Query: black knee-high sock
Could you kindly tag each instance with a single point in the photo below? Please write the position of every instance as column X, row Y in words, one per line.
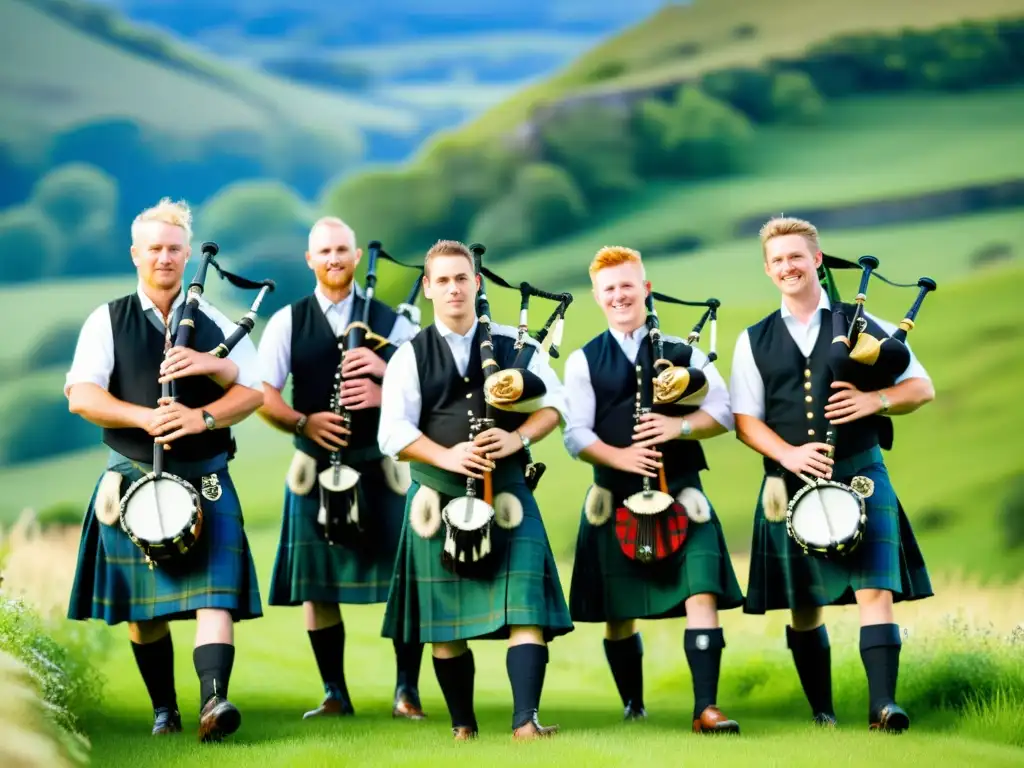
column 408, row 659
column 329, row 649
column 626, row 660
column 456, row 678
column 812, row 655
column 880, row 651
column 213, row 664
column 526, row 665
column 704, row 653
column 156, row 664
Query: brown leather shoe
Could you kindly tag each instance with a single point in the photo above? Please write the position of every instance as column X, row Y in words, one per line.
column 218, row 718
column 331, row 707
column 712, row 720
column 533, row 730
column 891, row 718
column 407, row 704
column 464, row 733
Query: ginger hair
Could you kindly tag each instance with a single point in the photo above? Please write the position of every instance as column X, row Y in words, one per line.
column 788, row 225
column 177, row 214
column 449, row 248
column 613, row 256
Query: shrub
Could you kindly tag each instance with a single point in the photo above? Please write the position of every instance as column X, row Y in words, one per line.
column 1013, row 514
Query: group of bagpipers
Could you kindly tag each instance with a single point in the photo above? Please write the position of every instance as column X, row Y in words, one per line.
column 431, row 508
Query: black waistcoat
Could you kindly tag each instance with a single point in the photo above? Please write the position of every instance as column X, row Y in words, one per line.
column 138, row 352
column 447, row 397
column 613, row 378
column 316, row 354
column 797, row 389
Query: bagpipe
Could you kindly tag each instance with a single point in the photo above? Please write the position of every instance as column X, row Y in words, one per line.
column 828, row 518
column 339, row 511
column 513, row 389
column 161, row 512
column 651, row 524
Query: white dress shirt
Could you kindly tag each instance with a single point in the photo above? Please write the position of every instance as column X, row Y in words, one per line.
column 94, row 353
column 275, row 352
column 746, row 384
column 400, row 393
column 579, row 432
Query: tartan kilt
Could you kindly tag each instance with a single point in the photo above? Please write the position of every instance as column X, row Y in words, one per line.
column 308, row 568
column 113, row 581
column 608, row 586
column 427, row 604
column 888, row 557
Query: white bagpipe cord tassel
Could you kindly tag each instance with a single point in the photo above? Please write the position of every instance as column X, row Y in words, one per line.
column 559, row 329
column 714, row 336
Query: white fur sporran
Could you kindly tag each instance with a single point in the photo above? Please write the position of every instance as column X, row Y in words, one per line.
column 425, row 512
column 108, row 498
column 696, row 504
column 162, row 516
column 397, row 475
column 827, row 518
column 598, row 505
column 467, row 520
column 301, row 473
column 774, row 499
column 337, row 489
column 508, row 510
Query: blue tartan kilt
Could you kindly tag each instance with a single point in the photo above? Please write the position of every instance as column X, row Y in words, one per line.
column 113, row 581
column 309, row 568
column 887, row 558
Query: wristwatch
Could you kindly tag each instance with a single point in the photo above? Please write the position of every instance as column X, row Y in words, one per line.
column 686, row 429
column 301, row 424
column 524, row 438
column 211, row 423
column 885, row 402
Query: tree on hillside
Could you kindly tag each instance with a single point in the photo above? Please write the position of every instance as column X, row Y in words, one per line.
column 29, row 245
column 81, row 200
column 795, row 99
column 692, row 136
column 247, row 212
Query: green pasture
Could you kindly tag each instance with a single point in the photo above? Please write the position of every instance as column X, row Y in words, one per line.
column 51, row 88
column 682, row 41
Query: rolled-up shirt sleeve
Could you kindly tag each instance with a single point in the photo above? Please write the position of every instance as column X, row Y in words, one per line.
column 746, row 387
column 275, row 351
column 579, row 424
column 716, row 403
column 400, row 402
column 556, row 394
column 93, row 361
column 402, row 331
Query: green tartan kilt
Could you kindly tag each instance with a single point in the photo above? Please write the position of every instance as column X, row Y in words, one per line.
column 308, row 568
column 608, row 586
column 888, row 557
column 427, row 604
column 113, row 581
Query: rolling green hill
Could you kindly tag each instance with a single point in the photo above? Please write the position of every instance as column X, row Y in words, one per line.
column 66, row 76
column 684, row 41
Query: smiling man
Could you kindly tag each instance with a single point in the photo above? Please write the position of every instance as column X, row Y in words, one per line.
column 784, row 402
column 607, row 586
column 506, row 586
column 304, row 341
column 115, row 380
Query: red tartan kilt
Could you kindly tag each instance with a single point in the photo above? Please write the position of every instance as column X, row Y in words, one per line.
column 664, row 533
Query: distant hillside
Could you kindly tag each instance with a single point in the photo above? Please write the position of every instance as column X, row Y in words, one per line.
column 683, row 41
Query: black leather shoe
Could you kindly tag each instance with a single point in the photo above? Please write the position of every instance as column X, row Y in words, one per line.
column 633, row 712
column 890, row 718
column 219, row 718
column 166, row 720
column 825, row 720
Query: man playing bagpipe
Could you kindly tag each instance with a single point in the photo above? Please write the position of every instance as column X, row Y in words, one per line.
column 643, row 554
column 474, row 560
column 813, row 386
column 152, row 551
column 338, row 536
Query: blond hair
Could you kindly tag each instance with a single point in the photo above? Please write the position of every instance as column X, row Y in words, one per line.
column 177, row 214
column 613, row 256
column 332, row 221
column 788, row 225
column 449, row 248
